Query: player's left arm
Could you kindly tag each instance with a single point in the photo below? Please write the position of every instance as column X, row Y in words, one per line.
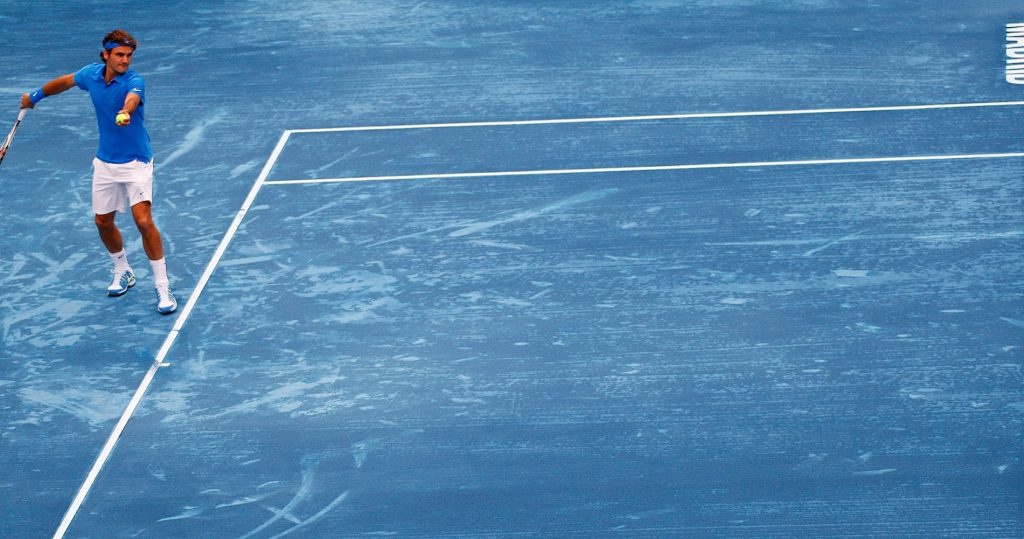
column 131, row 102
column 124, row 116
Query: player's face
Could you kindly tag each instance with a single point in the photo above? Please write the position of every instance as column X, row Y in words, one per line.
column 119, row 58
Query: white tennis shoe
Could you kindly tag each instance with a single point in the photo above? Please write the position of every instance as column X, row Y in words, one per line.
column 165, row 302
column 123, row 280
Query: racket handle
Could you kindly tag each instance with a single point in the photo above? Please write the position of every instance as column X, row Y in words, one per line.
column 10, row 136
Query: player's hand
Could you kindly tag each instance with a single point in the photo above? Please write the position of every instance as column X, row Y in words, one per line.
column 123, row 118
column 26, row 102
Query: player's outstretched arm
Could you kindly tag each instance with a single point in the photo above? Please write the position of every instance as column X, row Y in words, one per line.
column 131, row 102
column 54, row 87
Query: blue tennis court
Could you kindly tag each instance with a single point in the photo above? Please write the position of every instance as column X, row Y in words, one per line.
column 525, row 269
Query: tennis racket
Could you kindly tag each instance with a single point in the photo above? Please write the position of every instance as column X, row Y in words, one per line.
column 10, row 136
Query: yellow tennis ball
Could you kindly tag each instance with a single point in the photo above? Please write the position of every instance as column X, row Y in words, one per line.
column 122, row 118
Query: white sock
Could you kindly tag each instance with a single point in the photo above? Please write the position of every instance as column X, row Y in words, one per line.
column 160, row 271
column 120, row 261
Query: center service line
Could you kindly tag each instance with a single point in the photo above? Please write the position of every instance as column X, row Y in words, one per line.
column 108, row 448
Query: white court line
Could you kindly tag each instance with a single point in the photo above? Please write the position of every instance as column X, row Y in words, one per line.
column 749, row 164
column 104, row 455
column 937, row 106
column 665, row 117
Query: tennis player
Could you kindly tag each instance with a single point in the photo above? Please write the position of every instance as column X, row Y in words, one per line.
column 123, row 167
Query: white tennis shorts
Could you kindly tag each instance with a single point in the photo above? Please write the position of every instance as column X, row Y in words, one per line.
column 114, row 183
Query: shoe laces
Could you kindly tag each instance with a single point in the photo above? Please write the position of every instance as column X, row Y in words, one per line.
column 163, row 291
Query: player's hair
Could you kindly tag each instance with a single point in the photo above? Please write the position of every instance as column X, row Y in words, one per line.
column 120, row 37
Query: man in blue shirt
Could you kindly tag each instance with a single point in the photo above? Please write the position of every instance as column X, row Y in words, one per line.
column 123, row 167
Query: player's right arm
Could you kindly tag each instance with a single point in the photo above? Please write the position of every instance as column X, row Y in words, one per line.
column 54, row 87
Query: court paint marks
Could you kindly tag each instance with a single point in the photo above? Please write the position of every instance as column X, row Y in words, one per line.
column 609, row 365
column 474, row 228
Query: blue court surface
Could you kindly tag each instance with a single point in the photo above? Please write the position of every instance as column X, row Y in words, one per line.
column 645, row 268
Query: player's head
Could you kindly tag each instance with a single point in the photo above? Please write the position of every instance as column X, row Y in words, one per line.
column 115, row 39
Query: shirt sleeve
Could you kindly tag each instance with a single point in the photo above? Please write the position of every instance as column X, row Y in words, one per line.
column 82, row 76
column 136, row 85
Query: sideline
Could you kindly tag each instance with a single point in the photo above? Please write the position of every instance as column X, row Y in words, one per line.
column 748, row 164
column 665, row 117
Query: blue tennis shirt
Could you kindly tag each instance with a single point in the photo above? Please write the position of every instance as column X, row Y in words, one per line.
column 117, row 144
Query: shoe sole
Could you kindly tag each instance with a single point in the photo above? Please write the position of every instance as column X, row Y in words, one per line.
column 119, row 293
column 167, row 311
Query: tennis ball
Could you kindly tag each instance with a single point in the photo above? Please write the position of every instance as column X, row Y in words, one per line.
column 122, row 118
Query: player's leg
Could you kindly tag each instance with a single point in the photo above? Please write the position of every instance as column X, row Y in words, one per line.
column 110, row 235
column 142, row 212
column 140, row 195
column 107, row 199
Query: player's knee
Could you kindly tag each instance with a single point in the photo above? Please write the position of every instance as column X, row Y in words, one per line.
column 104, row 222
column 146, row 226
column 143, row 217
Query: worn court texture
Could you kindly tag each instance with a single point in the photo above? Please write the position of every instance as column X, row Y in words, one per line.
column 815, row 350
